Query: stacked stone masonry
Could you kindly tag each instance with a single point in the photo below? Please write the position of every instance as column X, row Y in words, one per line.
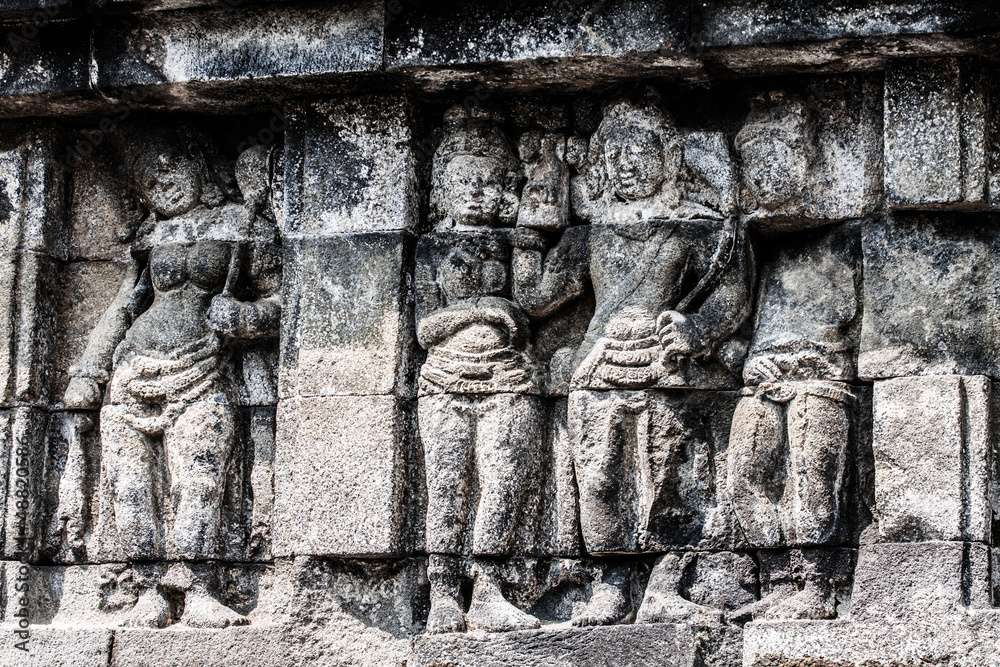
column 484, row 334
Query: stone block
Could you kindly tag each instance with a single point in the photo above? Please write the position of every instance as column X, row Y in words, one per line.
column 340, row 476
column 938, row 148
column 665, row 644
column 812, row 154
column 737, row 23
column 27, row 282
column 59, row 647
column 339, row 643
column 390, row 596
column 101, row 215
column 44, row 59
column 346, row 322
column 453, row 33
column 20, row 8
column 933, row 449
column 238, row 43
column 956, row 641
column 901, row 581
column 31, row 188
column 932, row 296
column 350, row 167
column 83, row 291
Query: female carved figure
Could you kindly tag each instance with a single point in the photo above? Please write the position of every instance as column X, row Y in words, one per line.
column 479, row 418
column 169, row 416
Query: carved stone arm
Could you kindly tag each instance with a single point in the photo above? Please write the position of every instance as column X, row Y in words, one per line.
column 501, row 313
column 728, row 304
column 245, row 319
column 94, row 367
column 543, row 283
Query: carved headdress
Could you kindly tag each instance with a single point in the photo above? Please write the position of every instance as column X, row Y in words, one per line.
column 786, row 118
column 474, row 131
column 142, row 148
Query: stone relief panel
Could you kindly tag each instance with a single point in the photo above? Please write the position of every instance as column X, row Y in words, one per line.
column 162, row 447
column 613, row 369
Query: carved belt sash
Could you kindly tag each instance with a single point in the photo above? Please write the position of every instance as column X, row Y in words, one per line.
column 502, row 370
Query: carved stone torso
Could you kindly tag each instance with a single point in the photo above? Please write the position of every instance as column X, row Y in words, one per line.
column 480, row 339
column 639, row 271
column 185, row 277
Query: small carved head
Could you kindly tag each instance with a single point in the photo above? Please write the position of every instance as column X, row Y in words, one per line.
column 778, row 150
column 169, row 173
column 475, row 174
column 637, row 149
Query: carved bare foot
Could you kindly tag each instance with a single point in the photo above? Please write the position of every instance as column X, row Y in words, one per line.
column 445, row 616
column 152, row 610
column 815, row 601
column 201, row 610
column 757, row 609
column 608, row 604
column 491, row 612
column 670, row 607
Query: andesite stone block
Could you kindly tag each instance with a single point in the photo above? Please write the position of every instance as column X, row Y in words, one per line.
column 241, row 42
column 350, row 166
column 939, row 148
column 346, row 323
column 906, row 580
column 931, row 296
column 340, row 476
column 624, row 645
column 933, row 445
column 452, row 33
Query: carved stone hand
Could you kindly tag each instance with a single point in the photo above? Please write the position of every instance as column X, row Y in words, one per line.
column 224, row 315
column 761, row 370
column 82, row 392
column 679, row 334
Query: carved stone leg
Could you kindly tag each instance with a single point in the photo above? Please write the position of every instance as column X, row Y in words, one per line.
column 818, row 431
column 603, row 433
column 490, row 610
column 508, row 451
column 201, row 608
column 128, row 462
column 756, row 447
column 662, row 601
column 446, row 596
column 198, row 447
column 152, row 610
column 446, row 432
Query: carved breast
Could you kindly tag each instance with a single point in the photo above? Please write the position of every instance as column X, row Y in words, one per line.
column 204, row 264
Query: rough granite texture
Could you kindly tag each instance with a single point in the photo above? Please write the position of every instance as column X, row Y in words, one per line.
column 567, row 333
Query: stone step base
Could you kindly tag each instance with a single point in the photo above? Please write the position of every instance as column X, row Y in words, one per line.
column 968, row 640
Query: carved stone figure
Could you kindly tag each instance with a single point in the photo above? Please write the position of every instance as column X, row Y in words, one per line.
column 791, row 432
column 671, row 280
column 778, row 147
column 205, row 271
column 479, row 413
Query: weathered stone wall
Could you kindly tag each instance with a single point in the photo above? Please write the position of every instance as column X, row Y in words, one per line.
column 565, row 333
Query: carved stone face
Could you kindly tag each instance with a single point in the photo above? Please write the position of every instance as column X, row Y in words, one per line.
column 635, row 162
column 473, row 190
column 170, row 182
